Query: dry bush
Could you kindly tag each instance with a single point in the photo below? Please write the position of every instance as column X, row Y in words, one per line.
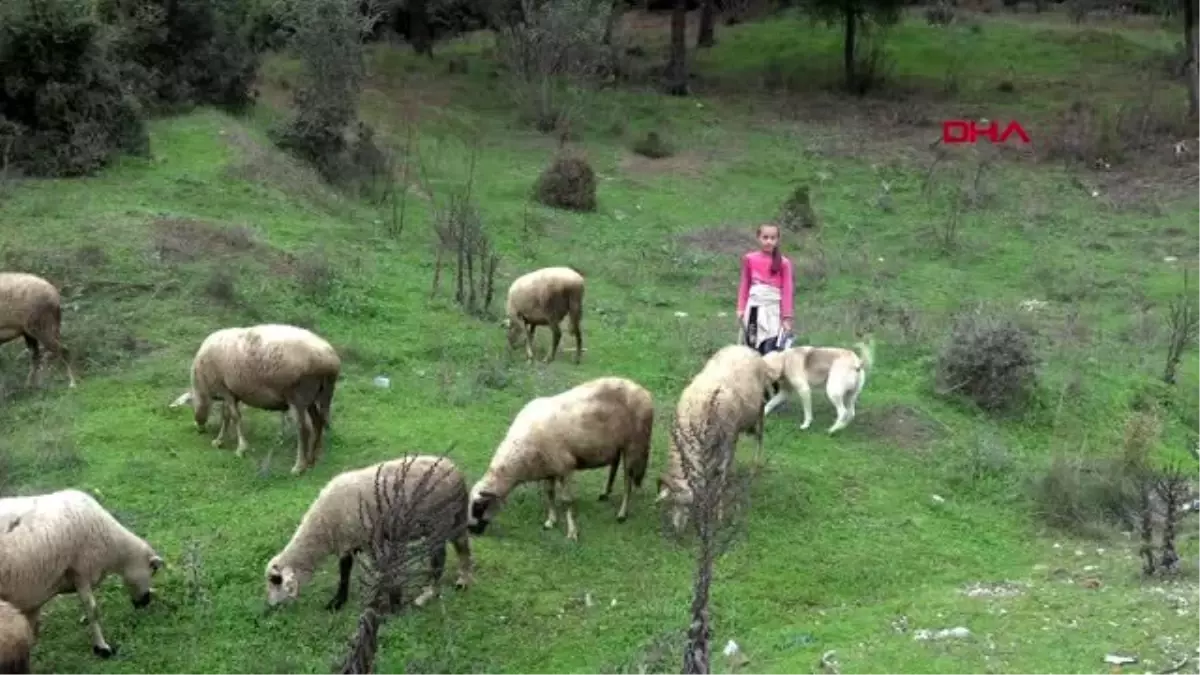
column 552, row 54
column 461, row 233
column 315, row 276
column 941, row 14
column 989, row 359
column 797, row 213
column 410, row 526
column 653, row 146
column 568, row 183
column 1147, row 123
column 1182, row 325
column 1081, row 494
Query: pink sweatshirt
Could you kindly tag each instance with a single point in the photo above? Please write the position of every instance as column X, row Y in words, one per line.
column 756, row 269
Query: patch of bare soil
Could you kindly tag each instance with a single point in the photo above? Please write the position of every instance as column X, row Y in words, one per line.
column 900, row 425
column 721, row 240
column 684, row 163
column 183, row 240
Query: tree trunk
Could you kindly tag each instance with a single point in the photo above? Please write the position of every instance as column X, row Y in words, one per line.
column 419, row 33
column 677, row 71
column 848, row 48
column 706, row 35
column 610, row 26
column 1190, row 66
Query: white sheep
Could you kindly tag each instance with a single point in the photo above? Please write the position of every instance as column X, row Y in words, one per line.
column 542, row 298
column 16, row 640
column 335, row 524
column 723, row 401
column 271, row 367
column 64, row 542
column 30, row 307
column 596, row 424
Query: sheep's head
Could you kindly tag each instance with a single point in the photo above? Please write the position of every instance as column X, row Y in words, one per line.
column 774, row 361
column 138, row 572
column 514, row 331
column 485, row 504
column 283, row 584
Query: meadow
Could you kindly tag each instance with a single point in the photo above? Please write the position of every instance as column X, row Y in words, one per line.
column 853, row 543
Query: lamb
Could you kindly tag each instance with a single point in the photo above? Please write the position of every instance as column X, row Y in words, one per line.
column 271, row 367
column 597, row 424
column 16, row 640
column 334, row 524
column 723, row 401
column 542, row 298
column 30, row 307
column 64, row 542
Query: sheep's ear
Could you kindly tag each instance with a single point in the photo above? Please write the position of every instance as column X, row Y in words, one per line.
column 156, row 563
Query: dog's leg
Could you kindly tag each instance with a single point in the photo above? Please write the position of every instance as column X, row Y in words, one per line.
column 777, row 400
column 836, row 392
column 805, row 393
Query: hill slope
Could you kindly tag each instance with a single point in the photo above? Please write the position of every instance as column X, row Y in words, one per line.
column 845, row 535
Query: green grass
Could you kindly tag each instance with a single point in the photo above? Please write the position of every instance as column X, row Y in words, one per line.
column 845, row 536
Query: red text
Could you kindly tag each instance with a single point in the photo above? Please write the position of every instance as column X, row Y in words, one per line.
column 969, row 131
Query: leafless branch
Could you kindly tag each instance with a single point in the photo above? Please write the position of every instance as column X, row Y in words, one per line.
column 1182, row 321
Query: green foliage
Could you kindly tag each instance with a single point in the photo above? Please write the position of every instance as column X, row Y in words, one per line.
column 62, row 108
column 178, row 53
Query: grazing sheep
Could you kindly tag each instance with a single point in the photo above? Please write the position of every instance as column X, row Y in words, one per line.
column 271, row 367
column 334, row 524
column 596, row 424
column 542, row 298
column 30, row 307
column 64, row 542
column 16, row 640
column 729, row 387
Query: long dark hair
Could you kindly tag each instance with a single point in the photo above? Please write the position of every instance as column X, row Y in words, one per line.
column 776, row 255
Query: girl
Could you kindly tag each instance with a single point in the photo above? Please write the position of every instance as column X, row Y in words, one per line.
column 764, row 302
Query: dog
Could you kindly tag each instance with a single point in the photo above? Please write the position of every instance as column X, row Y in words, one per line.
column 842, row 371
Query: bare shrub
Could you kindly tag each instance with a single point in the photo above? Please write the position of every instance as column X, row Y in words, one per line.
column 315, row 276
column 720, row 500
column 1146, row 123
column 568, row 183
column 653, row 145
column 1182, row 325
column 552, row 54
column 941, row 14
column 461, row 233
column 411, row 521
column 990, row 360
column 1176, row 498
column 222, row 287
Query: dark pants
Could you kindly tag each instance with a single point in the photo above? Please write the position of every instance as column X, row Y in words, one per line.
column 766, row 347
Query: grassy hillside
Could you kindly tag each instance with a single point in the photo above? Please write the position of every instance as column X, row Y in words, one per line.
column 847, row 547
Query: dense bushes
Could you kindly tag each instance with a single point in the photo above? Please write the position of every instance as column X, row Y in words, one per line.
column 989, row 359
column 75, row 78
column 62, row 108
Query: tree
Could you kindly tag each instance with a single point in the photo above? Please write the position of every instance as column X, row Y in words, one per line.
column 706, row 35
column 1191, row 57
column 677, row 70
column 857, row 17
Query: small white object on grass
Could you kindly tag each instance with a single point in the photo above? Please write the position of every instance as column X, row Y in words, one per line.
column 938, row 499
column 731, row 648
column 681, row 315
column 1118, row 660
column 382, row 382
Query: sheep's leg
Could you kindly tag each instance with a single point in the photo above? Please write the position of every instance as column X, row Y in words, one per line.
column 624, row 512
column 555, row 339
column 437, row 567
column 35, row 362
column 99, row 646
column 304, row 451
column 216, row 442
column 612, row 478
column 462, row 550
column 552, row 516
column 235, row 417
column 575, row 330
column 345, row 565
column 566, row 495
column 529, row 329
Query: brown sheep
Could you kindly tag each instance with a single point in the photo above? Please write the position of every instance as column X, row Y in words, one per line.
column 30, row 307
column 542, row 298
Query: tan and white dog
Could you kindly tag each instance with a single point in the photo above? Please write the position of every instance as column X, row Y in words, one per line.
column 842, row 371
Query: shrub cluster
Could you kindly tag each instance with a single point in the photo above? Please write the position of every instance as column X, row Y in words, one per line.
column 77, row 77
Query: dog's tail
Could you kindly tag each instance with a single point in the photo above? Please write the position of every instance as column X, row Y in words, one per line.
column 866, row 354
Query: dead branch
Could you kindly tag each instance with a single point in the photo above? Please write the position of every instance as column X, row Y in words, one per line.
column 411, row 515
column 1182, row 321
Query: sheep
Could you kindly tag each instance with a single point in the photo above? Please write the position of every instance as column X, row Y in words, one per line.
column 723, row 401
column 16, row 640
column 335, row 524
column 63, row 542
column 30, row 307
column 596, row 424
column 542, row 298
column 271, row 367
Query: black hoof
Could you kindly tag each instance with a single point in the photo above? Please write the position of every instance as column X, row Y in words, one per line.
column 335, row 604
column 105, row 652
column 460, row 586
column 604, row 497
column 621, row 519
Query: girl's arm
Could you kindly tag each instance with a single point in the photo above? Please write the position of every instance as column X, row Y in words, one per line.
column 744, row 286
column 786, row 293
